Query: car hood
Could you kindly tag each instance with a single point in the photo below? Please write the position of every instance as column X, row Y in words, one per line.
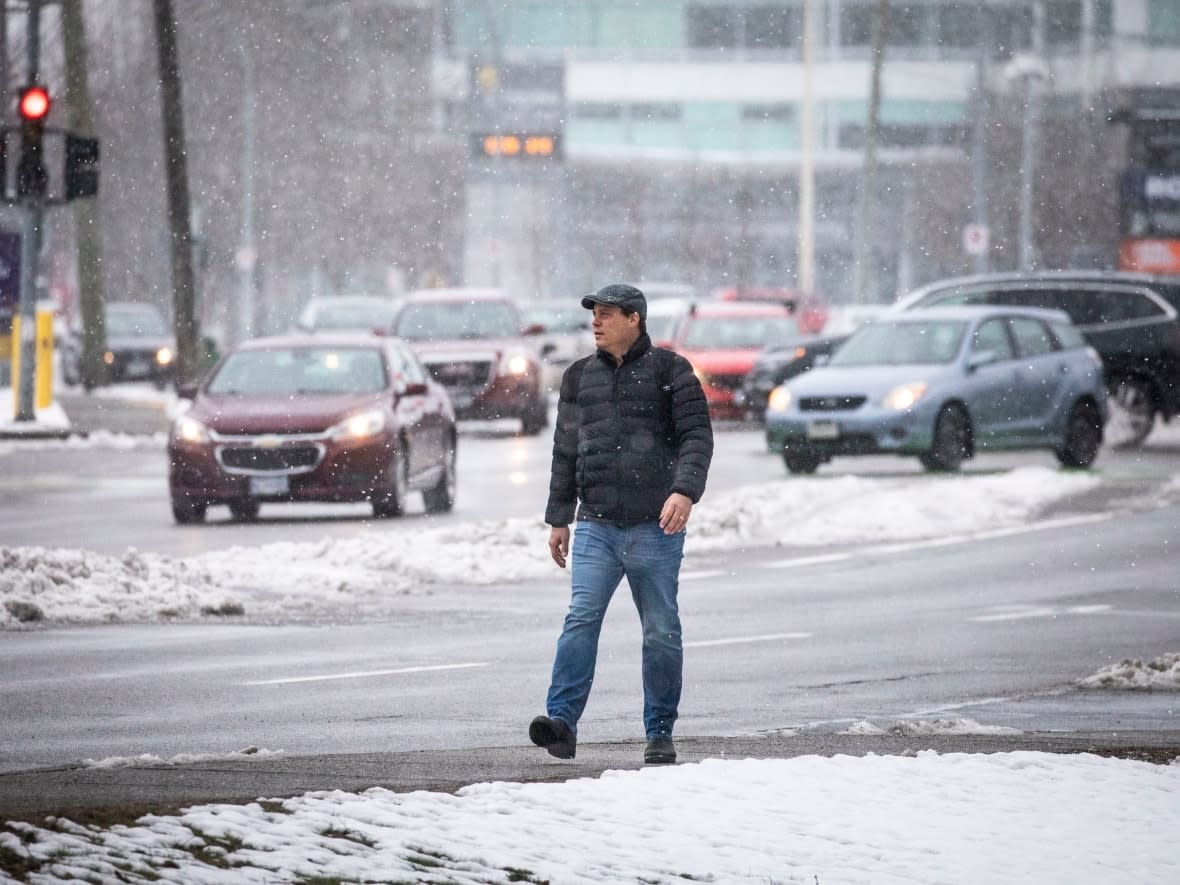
column 722, row 361
column 867, row 380
column 464, row 348
column 255, row 414
column 140, row 342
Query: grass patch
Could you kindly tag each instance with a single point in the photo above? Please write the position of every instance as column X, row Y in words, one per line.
column 349, row 836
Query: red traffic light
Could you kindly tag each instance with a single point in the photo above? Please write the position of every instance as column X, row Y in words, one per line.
column 34, row 103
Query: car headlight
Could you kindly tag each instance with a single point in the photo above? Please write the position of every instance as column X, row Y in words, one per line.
column 516, row 363
column 190, row 430
column 164, row 356
column 779, row 401
column 359, row 427
column 904, row 396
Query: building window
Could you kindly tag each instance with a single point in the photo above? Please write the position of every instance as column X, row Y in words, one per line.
column 652, row 111
column 1063, row 22
column 958, row 26
column 598, row 110
column 772, row 27
column 767, row 113
column 712, row 27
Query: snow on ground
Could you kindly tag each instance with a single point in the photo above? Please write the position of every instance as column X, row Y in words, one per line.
column 365, row 574
column 927, row 818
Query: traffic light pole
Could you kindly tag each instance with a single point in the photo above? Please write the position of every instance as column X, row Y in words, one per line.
column 34, row 219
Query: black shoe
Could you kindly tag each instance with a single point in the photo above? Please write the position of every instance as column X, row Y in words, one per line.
column 555, row 736
column 659, row 751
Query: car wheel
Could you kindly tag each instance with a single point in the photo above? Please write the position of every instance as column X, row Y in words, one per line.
column 951, row 440
column 187, row 512
column 798, row 462
column 441, row 497
column 244, row 510
column 1083, row 436
column 394, row 504
column 1132, row 412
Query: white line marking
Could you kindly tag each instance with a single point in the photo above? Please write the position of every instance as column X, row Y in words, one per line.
column 907, row 546
column 364, row 674
column 741, row 640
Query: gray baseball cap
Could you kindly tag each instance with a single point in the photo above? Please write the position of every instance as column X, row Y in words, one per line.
column 620, row 295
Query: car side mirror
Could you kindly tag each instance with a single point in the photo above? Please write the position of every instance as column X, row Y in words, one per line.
column 980, row 358
column 533, row 329
column 187, row 390
column 413, row 388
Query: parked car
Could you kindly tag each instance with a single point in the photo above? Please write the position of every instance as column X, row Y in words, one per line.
column 346, row 313
column 313, row 418
column 664, row 318
column 140, row 346
column 810, row 311
column 563, row 333
column 942, row 384
column 780, row 363
column 1129, row 318
column 473, row 342
column 722, row 339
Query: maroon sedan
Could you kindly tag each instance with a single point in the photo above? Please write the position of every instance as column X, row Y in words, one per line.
column 313, row 418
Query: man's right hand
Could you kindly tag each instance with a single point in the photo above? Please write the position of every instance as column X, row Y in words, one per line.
column 559, row 544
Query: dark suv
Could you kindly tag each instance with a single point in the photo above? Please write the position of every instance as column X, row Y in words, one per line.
column 1129, row 318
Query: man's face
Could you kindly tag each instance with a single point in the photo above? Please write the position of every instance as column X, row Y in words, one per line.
column 614, row 331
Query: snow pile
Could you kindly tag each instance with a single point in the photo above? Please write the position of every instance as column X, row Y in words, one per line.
column 150, row 759
column 1162, row 674
column 928, row 818
column 923, row 727
column 365, row 575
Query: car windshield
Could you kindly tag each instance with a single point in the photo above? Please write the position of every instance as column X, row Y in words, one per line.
column 135, row 323
column 558, row 318
column 458, row 319
column 902, row 343
column 299, row 370
column 739, row 332
column 364, row 317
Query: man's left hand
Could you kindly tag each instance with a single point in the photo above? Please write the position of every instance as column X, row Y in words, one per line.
column 674, row 515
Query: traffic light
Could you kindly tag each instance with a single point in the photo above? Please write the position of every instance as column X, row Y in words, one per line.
column 81, row 173
column 32, row 180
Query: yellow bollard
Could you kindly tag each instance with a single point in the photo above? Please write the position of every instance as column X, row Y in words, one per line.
column 43, row 371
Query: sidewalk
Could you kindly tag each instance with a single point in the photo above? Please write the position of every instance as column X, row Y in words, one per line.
column 123, row 793
column 48, row 423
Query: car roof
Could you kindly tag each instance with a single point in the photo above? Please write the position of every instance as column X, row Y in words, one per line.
column 354, row 298
column 462, row 293
column 316, row 340
column 971, row 311
column 739, row 308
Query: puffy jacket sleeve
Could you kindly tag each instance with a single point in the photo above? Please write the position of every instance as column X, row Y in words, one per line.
column 692, row 431
column 563, row 475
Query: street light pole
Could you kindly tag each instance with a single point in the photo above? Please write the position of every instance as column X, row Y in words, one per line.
column 32, row 224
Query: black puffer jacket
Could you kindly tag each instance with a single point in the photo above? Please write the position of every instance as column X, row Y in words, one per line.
column 628, row 436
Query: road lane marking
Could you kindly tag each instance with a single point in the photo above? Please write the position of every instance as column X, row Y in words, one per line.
column 1025, row 612
column 927, row 543
column 742, row 640
column 364, row 674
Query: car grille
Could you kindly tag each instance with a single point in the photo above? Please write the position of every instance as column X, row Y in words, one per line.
column 462, row 373
column 246, row 458
column 830, row 403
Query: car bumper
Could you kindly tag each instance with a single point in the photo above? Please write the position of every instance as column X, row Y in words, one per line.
column 863, row 432
column 341, row 472
column 504, row 398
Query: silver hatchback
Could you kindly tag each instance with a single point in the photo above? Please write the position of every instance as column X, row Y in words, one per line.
column 942, row 384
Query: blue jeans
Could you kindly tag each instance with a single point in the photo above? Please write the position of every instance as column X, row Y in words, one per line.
column 602, row 554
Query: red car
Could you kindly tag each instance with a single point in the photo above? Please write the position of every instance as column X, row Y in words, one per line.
column 313, row 418
column 473, row 342
column 722, row 339
column 810, row 311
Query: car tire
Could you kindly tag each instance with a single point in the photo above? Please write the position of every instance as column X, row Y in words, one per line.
column 187, row 512
column 801, row 462
column 1132, row 412
column 440, row 498
column 394, row 504
column 244, row 509
column 1083, row 437
column 951, row 443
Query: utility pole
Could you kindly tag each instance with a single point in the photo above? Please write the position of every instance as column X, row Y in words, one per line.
column 868, row 182
column 807, row 162
column 176, row 172
column 979, row 140
column 33, row 223
column 87, row 217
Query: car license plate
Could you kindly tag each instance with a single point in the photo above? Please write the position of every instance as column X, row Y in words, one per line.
column 269, row 485
column 823, row 430
column 137, row 369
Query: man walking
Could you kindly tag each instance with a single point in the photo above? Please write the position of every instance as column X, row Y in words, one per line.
column 631, row 451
